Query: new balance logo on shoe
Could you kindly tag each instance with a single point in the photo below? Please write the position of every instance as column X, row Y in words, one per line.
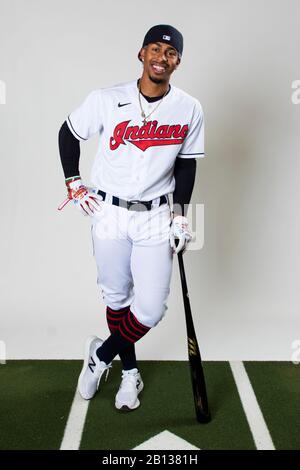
column 92, row 365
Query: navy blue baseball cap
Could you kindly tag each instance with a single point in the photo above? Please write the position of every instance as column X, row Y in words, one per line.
column 164, row 33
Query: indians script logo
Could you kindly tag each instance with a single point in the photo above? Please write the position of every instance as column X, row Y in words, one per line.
column 148, row 135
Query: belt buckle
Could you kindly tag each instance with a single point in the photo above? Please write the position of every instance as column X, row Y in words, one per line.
column 141, row 205
column 131, row 203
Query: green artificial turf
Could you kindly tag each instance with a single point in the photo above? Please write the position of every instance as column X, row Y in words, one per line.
column 35, row 400
column 36, row 397
column 167, row 404
column 277, row 389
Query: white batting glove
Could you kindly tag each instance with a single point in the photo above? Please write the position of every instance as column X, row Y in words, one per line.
column 180, row 229
column 84, row 198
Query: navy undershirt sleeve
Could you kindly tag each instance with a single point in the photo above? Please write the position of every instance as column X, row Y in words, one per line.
column 184, row 173
column 69, row 149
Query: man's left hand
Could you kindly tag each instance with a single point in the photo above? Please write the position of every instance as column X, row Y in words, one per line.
column 180, row 229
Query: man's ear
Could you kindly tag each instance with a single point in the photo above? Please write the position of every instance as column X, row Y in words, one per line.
column 142, row 54
column 178, row 62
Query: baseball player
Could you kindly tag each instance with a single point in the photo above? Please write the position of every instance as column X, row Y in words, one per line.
column 150, row 135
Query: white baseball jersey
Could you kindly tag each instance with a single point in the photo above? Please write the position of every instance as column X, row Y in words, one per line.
column 135, row 161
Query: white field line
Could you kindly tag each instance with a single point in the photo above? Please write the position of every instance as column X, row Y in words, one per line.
column 75, row 423
column 166, row 440
column 258, row 427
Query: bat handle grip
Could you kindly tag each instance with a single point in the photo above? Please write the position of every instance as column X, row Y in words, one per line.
column 63, row 204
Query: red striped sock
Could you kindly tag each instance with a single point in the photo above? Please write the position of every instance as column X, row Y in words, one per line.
column 131, row 329
column 127, row 355
column 129, row 332
column 114, row 317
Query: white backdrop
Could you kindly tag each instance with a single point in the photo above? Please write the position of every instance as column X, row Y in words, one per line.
column 240, row 60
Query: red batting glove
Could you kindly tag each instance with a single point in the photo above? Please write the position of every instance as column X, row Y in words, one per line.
column 84, row 198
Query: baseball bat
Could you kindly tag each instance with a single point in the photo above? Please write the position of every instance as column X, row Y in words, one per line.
column 197, row 374
column 63, row 204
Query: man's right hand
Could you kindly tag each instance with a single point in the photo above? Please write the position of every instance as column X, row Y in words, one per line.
column 84, row 198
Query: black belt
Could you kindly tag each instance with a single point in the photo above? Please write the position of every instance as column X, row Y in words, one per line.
column 133, row 205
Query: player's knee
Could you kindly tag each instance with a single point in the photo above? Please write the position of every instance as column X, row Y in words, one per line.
column 150, row 315
column 117, row 301
column 115, row 295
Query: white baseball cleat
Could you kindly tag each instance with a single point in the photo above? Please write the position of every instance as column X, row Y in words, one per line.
column 92, row 369
column 131, row 386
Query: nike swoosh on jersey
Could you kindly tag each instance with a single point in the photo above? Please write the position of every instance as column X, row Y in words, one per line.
column 123, row 104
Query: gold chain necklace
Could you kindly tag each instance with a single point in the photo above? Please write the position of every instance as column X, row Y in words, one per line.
column 145, row 118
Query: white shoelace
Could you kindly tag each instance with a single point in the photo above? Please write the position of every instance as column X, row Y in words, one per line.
column 107, row 369
column 128, row 380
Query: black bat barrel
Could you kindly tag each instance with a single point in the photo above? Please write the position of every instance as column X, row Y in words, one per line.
column 197, row 374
